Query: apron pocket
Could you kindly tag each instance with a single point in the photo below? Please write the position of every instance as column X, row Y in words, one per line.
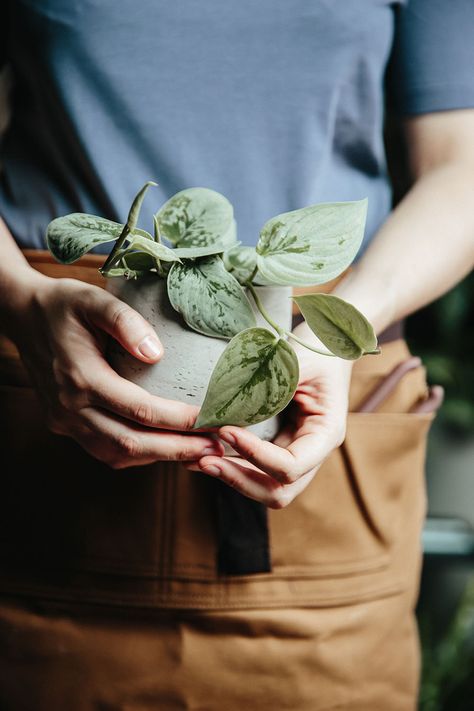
column 366, row 494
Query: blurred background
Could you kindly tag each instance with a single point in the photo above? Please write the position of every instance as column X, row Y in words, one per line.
column 443, row 335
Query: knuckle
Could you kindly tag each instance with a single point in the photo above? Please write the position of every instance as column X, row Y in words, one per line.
column 72, row 384
column 54, row 424
column 339, row 436
column 65, row 400
column 57, row 370
column 286, row 476
column 145, row 413
column 116, row 463
column 251, row 450
column 78, row 379
column 187, row 453
column 189, row 419
column 122, row 317
column 129, row 447
column 280, row 499
column 232, row 481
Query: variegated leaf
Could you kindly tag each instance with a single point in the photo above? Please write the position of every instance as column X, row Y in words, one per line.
column 312, row 245
column 197, row 217
column 210, row 300
column 254, row 379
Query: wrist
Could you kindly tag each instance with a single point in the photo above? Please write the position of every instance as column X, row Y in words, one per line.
column 374, row 297
column 18, row 289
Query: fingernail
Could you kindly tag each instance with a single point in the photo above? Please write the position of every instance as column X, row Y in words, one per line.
column 212, row 470
column 211, row 450
column 150, row 347
column 228, row 437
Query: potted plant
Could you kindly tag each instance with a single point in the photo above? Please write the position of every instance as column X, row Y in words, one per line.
column 223, row 310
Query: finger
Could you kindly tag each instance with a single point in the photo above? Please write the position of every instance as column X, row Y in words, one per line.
column 119, row 445
column 251, row 482
column 110, row 391
column 285, row 464
column 123, row 323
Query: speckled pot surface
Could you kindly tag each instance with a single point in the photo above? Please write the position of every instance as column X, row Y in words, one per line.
column 184, row 371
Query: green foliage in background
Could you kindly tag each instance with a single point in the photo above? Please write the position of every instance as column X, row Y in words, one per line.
column 448, row 679
column 443, row 335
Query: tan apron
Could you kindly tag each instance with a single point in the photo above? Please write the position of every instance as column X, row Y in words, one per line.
column 111, row 597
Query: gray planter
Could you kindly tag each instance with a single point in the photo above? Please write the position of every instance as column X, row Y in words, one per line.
column 184, row 370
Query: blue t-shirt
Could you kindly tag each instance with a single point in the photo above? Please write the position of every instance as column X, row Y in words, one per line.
column 277, row 104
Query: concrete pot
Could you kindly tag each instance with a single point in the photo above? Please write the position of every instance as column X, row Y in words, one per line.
column 189, row 357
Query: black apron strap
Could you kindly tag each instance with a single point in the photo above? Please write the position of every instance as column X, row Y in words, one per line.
column 243, row 546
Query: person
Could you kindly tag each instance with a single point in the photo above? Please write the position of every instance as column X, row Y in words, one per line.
column 110, row 594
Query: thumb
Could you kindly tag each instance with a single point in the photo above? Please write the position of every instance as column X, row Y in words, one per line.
column 126, row 325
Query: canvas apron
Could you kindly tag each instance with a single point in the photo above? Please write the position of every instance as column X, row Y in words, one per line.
column 121, row 589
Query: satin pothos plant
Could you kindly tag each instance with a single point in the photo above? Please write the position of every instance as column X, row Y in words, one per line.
column 211, row 278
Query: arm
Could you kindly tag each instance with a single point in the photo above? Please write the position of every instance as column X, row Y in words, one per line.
column 60, row 328
column 427, row 244
column 424, row 248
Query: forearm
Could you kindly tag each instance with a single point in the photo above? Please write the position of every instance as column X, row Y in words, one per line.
column 17, row 280
column 423, row 249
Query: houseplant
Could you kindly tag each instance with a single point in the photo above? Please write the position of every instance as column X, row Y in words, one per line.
column 193, row 265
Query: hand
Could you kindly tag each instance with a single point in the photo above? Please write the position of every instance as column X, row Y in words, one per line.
column 60, row 329
column 274, row 473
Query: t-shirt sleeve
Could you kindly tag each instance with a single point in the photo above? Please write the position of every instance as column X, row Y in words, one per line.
column 432, row 64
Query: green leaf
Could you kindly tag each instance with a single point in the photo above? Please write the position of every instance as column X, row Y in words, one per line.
column 254, row 379
column 148, row 245
column 312, row 245
column 71, row 236
column 197, row 217
column 210, row 300
column 339, row 325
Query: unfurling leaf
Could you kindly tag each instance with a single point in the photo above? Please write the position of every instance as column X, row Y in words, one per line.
column 210, row 300
column 71, row 236
column 253, row 380
column 339, row 325
column 197, row 217
column 134, row 211
column 312, row 245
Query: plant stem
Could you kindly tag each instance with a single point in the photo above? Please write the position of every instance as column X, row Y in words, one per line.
column 278, row 329
column 113, row 262
column 306, row 345
column 281, row 331
column 157, row 236
column 118, row 245
column 252, row 276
